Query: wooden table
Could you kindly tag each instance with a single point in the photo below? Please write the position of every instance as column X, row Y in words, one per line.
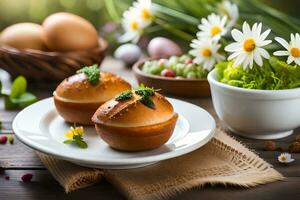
column 17, row 159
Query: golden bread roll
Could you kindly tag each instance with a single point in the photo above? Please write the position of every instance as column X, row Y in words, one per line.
column 23, row 36
column 69, row 32
column 131, row 125
column 76, row 99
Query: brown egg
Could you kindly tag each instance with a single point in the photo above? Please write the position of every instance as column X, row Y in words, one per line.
column 23, row 36
column 69, row 32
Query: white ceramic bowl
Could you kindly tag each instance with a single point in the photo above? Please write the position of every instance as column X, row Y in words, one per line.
column 260, row 114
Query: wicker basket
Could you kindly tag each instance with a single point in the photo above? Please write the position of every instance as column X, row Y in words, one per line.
column 43, row 66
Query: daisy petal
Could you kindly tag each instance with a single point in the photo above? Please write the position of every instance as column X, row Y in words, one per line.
column 264, row 43
column 281, row 53
column 237, row 35
column 257, row 58
column 283, row 42
column 290, row 59
column 239, row 60
column 234, row 55
column 246, row 29
column 264, row 53
column 233, row 47
column 265, row 34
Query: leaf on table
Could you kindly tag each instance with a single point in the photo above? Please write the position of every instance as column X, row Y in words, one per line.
column 25, row 99
column 8, row 104
column 18, row 87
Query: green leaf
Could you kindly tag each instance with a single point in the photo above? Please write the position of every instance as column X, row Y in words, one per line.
column 92, row 73
column 68, row 141
column 111, row 9
column 82, row 144
column 0, row 87
column 124, row 96
column 25, row 99
column 8, row 104
column 18, row 87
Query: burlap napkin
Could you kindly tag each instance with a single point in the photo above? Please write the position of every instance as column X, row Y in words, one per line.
column 223, row 160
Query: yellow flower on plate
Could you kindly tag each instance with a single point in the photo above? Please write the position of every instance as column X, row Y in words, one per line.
column 74, row 131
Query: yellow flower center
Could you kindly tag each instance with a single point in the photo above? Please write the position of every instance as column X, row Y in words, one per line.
column 146, row 14
column 206, row 52
column 295, row 52
column 134, row 25
column 249, row 45
column 283, row 158
column 215, row 30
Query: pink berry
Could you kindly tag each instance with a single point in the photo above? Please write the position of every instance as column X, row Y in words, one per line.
column 188, row 61
column 3, row 139
column 162, row 61
column 27, row 177
column 168, row 73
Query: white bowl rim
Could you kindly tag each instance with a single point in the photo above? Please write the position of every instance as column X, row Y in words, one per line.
column 281, row 94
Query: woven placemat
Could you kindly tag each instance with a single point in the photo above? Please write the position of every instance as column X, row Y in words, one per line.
column 223, row 160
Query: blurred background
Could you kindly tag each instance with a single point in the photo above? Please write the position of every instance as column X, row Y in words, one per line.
column 14, row 11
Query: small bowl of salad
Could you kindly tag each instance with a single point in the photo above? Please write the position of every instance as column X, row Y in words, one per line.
column 259, row 103
column 177, row 75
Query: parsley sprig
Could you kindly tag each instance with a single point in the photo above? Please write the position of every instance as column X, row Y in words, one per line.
column 145, row 93
column 92, row 73
column 124, row 96
column 76, row 137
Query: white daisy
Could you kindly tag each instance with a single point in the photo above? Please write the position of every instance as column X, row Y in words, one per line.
column 285, row 158
column 206, row 52
column 144, row 11
column 212, row 27
column 132, row 25
column 248, row 46
column 230, row 10
column 292, row 48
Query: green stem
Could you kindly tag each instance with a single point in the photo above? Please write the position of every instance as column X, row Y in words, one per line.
column 177, row 32
column 174, row 13
column 111, row 9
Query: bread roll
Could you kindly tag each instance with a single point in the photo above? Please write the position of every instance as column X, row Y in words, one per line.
column 129, row 125
column 76, row 99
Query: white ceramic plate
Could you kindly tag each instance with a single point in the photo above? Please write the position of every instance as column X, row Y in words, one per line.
column 41, row 128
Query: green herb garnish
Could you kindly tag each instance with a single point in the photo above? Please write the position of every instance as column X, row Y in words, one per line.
column 75, row 135
column 18, row 97
column 146, row 93
column 124, row 96
column 92, row 73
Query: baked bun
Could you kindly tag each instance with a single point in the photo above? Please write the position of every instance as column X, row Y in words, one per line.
column 76, row 99
column 131, row 125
